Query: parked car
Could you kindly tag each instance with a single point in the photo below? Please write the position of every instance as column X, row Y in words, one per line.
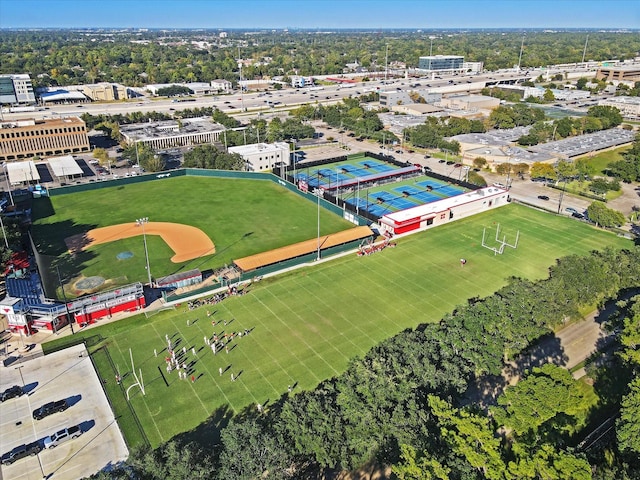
column 21, row 451
column 543, row 197
column 49, row 409
column 571, row 210
column 578, row 215
column 10, row 393
column 62, row 436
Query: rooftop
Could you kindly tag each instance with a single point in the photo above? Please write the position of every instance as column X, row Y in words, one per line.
column 169, row 128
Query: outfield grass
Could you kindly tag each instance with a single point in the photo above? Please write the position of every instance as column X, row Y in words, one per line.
column 307, row 324
column 242, row 217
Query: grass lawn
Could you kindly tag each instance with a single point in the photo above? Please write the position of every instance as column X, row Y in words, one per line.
column 307, row 324
column 600, row 161
column 242, row 217
column 576, row 187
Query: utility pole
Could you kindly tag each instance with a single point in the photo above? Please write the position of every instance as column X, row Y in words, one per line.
column 386, row 63
column 520, row 57
column 584, row 52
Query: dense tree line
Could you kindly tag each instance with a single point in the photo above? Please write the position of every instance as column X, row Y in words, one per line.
column 136, row 58
column 409, row 401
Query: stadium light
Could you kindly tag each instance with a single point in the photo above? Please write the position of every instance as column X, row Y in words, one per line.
column 140, row 222
column 318, row 197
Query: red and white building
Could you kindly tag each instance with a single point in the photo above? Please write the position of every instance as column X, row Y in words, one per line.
column 436, row 213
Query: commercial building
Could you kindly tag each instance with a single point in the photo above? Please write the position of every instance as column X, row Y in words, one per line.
column 24, row 139
column 441, row 63
column 105, row 91
column 171, row 133
column 629, row 106
column 16, row 89
column 221, row 85
column 392, row 98
column 472, row 103
column 259, row 157
column 612, row 74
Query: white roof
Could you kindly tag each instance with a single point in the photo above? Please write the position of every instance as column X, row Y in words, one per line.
column 440, row 205
column 254, row 148
column 22, row 172
column 64, row 166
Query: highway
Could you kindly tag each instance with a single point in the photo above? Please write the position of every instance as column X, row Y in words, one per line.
column 250, row 104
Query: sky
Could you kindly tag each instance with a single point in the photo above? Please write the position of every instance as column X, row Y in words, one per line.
column 324, row 14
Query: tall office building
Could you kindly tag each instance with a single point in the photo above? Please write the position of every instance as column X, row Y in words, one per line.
column 441, row 63
column 15, row 89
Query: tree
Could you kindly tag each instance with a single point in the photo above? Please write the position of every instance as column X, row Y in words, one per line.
column 101, row 155
column 549, row 463
column 178, row 462
column 581, row 83
column 470, row 436
column 503, row 168
column 546, row 392
column 565, row 170
column 627, row 426
column 414, row 467
column 543, row 170
column 603, row 216
column 608, row 115
column 548, row 96
column 251, row 451
column 479, row 162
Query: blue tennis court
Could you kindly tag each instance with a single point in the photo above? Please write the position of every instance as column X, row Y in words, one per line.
column 356, row 172
column 370, row 165
column 421, row 195
column 373, row 208
column 443, row 188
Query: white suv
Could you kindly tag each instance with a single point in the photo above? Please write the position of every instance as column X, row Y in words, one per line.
column 62, row 436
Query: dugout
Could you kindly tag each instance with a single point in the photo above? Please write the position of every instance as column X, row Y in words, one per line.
column 179, row 280
column 301, row 252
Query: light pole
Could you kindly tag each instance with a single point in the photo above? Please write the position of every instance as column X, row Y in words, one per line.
column 66, row 303
column 318, row 197
column 4, row 233
column 9, row 185
column 140, row 222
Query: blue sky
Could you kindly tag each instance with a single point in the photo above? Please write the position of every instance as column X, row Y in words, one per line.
column 327, row 14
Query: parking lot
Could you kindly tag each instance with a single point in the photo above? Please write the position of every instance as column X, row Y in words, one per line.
column 68, row 375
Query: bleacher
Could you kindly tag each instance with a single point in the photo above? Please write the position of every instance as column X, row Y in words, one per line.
column 27, row 287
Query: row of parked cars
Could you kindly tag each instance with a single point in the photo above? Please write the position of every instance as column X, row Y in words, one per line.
column 39, row 413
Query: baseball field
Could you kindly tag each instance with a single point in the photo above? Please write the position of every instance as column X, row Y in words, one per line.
column 303, row 327
column 238, row 217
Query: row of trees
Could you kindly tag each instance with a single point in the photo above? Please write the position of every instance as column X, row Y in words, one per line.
column 598, row 118
column 138, row 58
column 410, row 400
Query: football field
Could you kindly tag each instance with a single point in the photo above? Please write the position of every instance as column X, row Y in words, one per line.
column 305, row 325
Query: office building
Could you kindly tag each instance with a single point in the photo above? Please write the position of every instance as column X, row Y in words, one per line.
column 441, row 63
column 259, row 157
column 16, row 89
column 171, row 133
column 25, row 139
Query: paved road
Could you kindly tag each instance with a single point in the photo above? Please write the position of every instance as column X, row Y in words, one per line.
column 567, row 348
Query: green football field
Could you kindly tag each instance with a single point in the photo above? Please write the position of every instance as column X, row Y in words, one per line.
column 307, row 324
column 242, row 217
